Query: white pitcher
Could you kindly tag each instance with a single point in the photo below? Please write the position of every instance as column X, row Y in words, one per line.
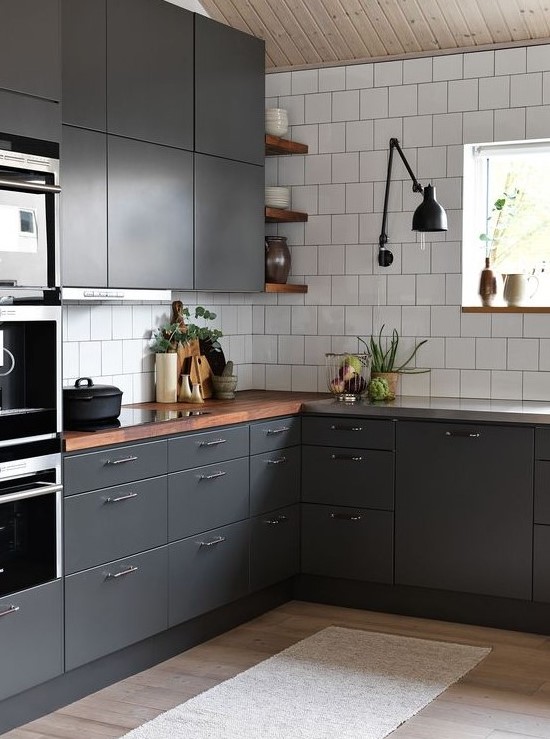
column 518, row 288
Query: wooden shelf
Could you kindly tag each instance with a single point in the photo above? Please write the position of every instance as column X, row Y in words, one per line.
column 272, row 287
column 506, row 309
column 279, row 215
column 275, row 145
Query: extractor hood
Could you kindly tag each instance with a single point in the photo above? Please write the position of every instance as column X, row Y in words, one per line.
column 101, row 294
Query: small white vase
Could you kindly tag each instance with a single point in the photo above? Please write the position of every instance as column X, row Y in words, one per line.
column 166, row 380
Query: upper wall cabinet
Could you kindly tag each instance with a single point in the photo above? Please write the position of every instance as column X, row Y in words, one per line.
column 229, row 92
column 30, row 48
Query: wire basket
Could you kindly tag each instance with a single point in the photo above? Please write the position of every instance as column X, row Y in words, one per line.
column 348, row 375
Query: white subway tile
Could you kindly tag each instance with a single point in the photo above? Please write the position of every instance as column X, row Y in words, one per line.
column 318, row 169
column 416, row 384
column 111, row 357
column 277, row 319
column 359, row 197
column 506, row 325
column 417, row 131
column 125, row 383
column 448, row 67
column 278, row 377
column 388, row 73
column 359, row 135
column 445, row 383
column 244, row 319
column 453, row 289
column 318, row 290
column 432, row 98
column 345, row 167
column 546, row 88
column 345, row 105
column 455, row 161
column 401, row 290
column 295, row 107
column 536, row 386
column 345, row 229
column 460, row 353
column 491, row 354
column 90, row 358
column 388, row 316
column 332, row 199
column 359, row 259
column 344, row 344
column 307, row 135
column 544, row 355
column 304, row 81
column 237, row 349
column 264, row 349
column 132, row 355
column 432, row 162
column 359, row 76
column 416, row 321
column 305, row 198
column 475, row 383
column 386, row 129
column 478, row 126
column 479, row 64
column 358, row 321
column 294, row 232
column 71, row 359
column 277, row 84
column 536, row 325
column 291, row 169
column 258, row 319
column 399, row 227
column 332, row 137
column 537, row 122
column 345, row 290
column 447, row 129
column 331, row 260
column 318, row 108
column 446, row 256
column 374, row 103
column 258, row 376
column 373, row 289
column 330, row 319
column 525, row 89
column 291, row 349
column 403, row 100
column 511, row 61
column 332, row 78
column 373, row 166
column 304, row 320
column 430, row 290
column 271, row 171
column 523, row 354
column 315, row 349
column 476, row 324
column 417, row 70
column 538, row 58
column 506, row 385
column 101, row 321
column 494, row 92
column 318, row 230
column 463, row 95
column 229, row 319
column 433, row 353
column 445, row 320
column 304, row 379
column 78, row 323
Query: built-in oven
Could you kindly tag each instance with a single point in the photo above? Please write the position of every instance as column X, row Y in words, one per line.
column 30, row 516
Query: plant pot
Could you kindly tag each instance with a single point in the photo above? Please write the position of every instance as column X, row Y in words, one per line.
column 224, row 386
column 487, row 284
column 277, row 260
column 166, row 377
column 392, row 378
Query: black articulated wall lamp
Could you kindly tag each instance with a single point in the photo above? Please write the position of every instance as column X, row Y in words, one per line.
column 429, row 216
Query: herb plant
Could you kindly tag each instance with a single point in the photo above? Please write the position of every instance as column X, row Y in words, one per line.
column 384, row 354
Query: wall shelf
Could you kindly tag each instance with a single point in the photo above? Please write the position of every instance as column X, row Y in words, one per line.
column 275, row 146
column 506, row 309
column 272, row 287
column 279, row 215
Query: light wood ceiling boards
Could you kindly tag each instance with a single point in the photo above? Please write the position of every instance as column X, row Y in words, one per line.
column 301, row 33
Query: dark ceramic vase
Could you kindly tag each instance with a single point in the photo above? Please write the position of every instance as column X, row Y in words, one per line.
column 487, row 284
column 277, row 259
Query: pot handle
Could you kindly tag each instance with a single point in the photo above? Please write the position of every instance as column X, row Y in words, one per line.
column 84, row 380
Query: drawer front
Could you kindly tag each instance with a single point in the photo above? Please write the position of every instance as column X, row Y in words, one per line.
column 542, row 443
column 351, row 432
column 274, row 434
column 541, row 564
column 109, row 607
column 114, row 466
column 356, row 544
column 31, row 638
column 115, row 522
column 274, row 547
column 542, row 492
column 346, row 476
column 207, row 497
column 195, row 450
column 274, row 480
column 207, row 571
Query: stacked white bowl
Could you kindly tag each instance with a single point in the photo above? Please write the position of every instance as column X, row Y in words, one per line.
column 277, row 197
column 276, row 121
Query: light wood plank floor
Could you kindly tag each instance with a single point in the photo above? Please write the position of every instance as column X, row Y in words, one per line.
column 507, row 696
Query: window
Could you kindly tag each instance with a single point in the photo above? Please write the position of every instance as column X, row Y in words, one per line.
column 507, row 218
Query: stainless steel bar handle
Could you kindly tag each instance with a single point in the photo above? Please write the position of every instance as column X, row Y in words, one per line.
column 41, row 489
column 281, row 430
column 346, row 516
column 122, row 460
column 122, row 573
column 281, row 460
column 10, row 609
column 275, row 521
column 217, row 540
column 464, row 434
column 336, row 427
column 29, row 186
column 214, row 476
column 121, row 498
column 346, row 458
column 212, row 443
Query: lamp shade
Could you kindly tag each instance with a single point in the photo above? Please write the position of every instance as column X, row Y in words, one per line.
column 429, row 216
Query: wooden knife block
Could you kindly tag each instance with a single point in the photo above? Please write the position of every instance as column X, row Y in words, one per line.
column 198, row 369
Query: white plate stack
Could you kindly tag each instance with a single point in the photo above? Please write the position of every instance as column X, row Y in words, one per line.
column 276, row 121
column 277, row 197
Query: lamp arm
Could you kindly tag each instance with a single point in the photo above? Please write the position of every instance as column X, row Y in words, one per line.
column 417, row 187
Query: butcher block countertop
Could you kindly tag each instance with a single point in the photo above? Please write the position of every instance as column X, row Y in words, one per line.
column 249, row 405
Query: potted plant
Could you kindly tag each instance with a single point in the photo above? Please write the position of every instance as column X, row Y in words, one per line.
column 385, row 367
column 501, row 215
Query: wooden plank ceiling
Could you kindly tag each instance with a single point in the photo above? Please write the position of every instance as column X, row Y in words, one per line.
column 299, row 33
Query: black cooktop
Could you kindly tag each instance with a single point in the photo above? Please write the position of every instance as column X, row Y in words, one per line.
column 136, row 417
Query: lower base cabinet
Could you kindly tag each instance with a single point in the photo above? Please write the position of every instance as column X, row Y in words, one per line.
column 541, row 564
column 31, row 638
column 207, row 571
column 274, row 547
column 114, row 605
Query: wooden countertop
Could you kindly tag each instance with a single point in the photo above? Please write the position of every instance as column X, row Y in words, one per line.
column 249, row 405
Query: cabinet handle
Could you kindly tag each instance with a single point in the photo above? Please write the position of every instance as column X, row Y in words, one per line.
column 127, row 571
column 212, row 443
column 275, row 521
column 121, row 498
column 336, row 427
column 214, row 476
column 346, row 516
column 10, row 609
column 281, row 430
column 346, row 458
column 217, row 540
column 464, row 434
column 281, row 460
column 122, row 460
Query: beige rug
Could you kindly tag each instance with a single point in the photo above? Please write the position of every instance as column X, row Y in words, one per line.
column 337, row 684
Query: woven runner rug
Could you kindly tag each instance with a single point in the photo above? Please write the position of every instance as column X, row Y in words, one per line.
column 338, row 684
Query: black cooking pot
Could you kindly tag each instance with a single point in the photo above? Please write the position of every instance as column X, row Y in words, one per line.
column 89, row 403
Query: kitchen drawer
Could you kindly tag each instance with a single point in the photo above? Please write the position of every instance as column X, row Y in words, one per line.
column 348, row 477
column 348, row 431
column 195, row 450
column 274, row 480
column 542, row 443
column 115, row 522
column 109, row 607
column 114, row 466
column 274, row 434
column 541, row 564
column 207, row 571
column 31, row 637
column 274, row 547
column 207, row 497
column 351, row 543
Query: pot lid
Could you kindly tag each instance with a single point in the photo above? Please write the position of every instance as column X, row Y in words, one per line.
column 84, row 389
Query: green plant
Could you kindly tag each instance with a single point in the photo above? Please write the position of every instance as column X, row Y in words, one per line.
column 502, row 213
column 384, row 353
column 168, row 337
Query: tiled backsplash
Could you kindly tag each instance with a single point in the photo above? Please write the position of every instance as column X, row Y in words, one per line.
column 347, row 115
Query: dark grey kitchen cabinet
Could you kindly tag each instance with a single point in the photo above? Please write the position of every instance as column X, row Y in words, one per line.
column 150, row 215
column 84, row 63
column 30, row 53
column 464, row 508
column 210, row 447
column 84, row 208
column 150, row 72
column 31, row 637
column 278, row 433
column 274, row 479
column 274, row 547
column 35, row 118
column 229, row 225
column 229, row 92
column 541, row 564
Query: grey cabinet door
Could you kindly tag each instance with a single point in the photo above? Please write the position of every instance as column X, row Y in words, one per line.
column 348, row 431
column 229, row 92
column 274, row 480
column 229, row 225
column 150, row 72
column 274, row 547
column 83, row 208
column 150, row 215
column 84, row 63
column 30, row 53
column 464, row 508
column 210, row 447
column 276, row 433
column 31, row 638
column 22, row 115
column 541, row 564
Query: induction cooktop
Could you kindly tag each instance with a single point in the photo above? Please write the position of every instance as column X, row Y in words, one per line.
column 136, row 417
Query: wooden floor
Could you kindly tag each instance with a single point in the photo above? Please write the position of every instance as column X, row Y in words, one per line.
column 507, row 696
